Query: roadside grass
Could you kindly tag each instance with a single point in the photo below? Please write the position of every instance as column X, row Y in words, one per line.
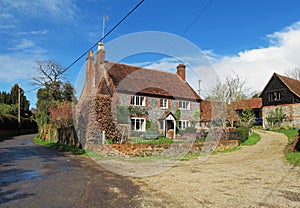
column 252, row 140
column 61, row 147
column 292, row 157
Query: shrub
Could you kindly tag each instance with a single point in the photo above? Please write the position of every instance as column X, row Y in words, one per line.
column 244, row 133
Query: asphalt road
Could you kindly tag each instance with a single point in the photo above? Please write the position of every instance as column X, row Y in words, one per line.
column 36, row 176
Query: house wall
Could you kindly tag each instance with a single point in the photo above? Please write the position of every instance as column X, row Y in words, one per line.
column 154, row 110
column 276, row 85
column 291, row 112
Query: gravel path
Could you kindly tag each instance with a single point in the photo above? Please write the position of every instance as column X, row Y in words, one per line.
column 256, row 176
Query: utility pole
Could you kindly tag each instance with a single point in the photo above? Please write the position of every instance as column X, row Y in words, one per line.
column 19, row 108
column 199, row 88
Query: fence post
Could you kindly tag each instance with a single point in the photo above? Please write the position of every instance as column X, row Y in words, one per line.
column 103, row 137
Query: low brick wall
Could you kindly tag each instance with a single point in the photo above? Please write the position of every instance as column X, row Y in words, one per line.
column 174, row 149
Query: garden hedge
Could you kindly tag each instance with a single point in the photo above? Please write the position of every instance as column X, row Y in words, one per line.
column 11, row 122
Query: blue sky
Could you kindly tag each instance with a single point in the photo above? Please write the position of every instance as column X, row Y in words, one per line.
column 253, row 38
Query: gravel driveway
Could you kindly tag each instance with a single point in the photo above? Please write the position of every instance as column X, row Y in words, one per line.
column 256, row 176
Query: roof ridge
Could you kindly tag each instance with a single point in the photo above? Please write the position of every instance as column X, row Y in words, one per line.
column 138, row 67
column 281, row 77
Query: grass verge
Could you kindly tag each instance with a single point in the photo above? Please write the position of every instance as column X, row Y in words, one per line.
column 292, row 157
column 61, row 147
column 252, row 140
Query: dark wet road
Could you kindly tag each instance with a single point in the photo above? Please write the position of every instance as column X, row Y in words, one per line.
column 36, row 176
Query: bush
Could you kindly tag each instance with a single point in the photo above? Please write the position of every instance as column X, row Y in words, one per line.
column 244, row 133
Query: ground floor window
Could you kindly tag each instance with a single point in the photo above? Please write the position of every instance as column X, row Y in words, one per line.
column 138, row 124
column 183, row 124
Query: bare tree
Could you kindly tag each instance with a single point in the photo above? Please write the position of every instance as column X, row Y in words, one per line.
column 232, row 89
column 229, row 92
column 48, row 72
column 293, row 73
column 50, row 76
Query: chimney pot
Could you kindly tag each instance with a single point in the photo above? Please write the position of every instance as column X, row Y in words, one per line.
column 100, row 54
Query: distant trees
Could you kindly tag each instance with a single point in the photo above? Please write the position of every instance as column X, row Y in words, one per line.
column 293, row 73
column 9, row 102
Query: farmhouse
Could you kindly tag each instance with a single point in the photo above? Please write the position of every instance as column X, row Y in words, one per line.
column 281, row 101
column 143, row 97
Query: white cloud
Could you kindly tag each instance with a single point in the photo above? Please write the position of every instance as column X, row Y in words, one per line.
column 56, row 9
column 19, row 62
column 15, row 67
column 34, row 32
column 259, row 64
column 256, row 65
column 165, row 64
column 23, row 44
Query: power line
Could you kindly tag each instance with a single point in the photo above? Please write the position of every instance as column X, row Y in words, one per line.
column 197, row 17
column 112, row 29
column 34, row 89
column 102, row 38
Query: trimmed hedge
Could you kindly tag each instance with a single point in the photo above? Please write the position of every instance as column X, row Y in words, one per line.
column 11, row 122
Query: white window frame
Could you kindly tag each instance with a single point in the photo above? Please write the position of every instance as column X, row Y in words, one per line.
column 136, row 100
column 183, row 124
column 141, row 123
column 184, row 105
column 164, row 104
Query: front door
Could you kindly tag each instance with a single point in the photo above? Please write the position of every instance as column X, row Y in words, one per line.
column 170, row 126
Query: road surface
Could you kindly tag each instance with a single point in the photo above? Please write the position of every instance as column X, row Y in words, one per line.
column 37, row 176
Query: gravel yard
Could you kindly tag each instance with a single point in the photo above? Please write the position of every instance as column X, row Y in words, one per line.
column 255, row 176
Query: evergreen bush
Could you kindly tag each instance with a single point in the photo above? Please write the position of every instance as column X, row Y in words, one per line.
column 244, row 133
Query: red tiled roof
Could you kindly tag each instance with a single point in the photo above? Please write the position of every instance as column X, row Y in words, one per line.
column 292, row 84
column 135, row 80
column 252, row 103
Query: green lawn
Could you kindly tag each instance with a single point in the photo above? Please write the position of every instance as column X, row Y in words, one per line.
column 252, row 140
column 292, row 157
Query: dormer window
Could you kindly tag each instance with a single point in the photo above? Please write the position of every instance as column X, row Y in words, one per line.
column 137, row 100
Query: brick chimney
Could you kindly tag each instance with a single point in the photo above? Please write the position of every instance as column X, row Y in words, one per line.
column 181, row 71
column 89, row 70
column 100, row 54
